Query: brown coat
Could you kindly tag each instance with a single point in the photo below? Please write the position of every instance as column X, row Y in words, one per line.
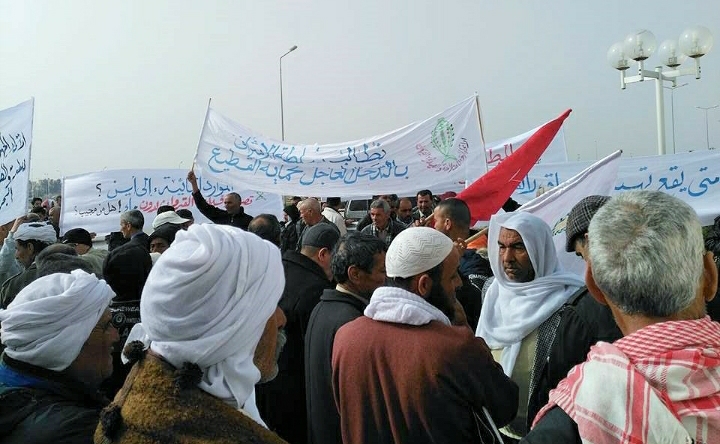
column 159, row 404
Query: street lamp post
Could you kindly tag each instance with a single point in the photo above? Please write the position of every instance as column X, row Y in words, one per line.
column 672, row 108
column 707, row 132
column 694, row 42
column 282, row 116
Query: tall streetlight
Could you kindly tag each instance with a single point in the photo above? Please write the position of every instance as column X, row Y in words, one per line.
column 707, row 133
column 282, row 116
column 672, row 107
column 694, row 42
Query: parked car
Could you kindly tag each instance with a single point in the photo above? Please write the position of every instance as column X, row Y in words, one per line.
column 356, row 209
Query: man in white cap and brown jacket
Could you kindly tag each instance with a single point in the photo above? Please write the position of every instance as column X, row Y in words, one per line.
column 403, row 373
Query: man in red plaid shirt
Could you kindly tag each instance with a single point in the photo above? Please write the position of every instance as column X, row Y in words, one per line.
column 661, row 381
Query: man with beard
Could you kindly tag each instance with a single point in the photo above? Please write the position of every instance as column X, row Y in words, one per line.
column 358, row 266
column 403, row 373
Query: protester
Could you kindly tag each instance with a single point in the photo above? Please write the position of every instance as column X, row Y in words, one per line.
column 187, row 215
column 57, row 333
column 267, row 226
column 424, row 208
column 289, row 235
column 660, row 382
column 383, row 226
column 404, row 211
column 81, row 240
column 307, row 275
column 168, row 217
column 452, row 218
column 403, row 373
column 520, row 309
column 233, row 214
column 358, row 267
column 332, row 214
column 30, row 239
column 163, row 237
column 210, row 317
column 310, row 214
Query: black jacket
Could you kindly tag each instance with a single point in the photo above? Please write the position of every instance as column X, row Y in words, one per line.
column 334, row 310
column 220, row 216
column 555, row 427
column 58, row 411
column 13, row 286
column 583, row 323
column 474, row 270
column 126, row 268
column 281, row 402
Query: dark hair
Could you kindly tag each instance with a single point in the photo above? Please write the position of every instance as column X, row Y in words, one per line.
column 185, row 213
column 456, row 210
column 115, row 239
column 292, row 212
column 39, row 211
column 510, row 205
column 165, row 231
column 165, row 208
column 356, row 249
column 35, row 199
column 333, row 201
column 435, row 274
column 236, row 195
column 267, row 227
column 38, row 246
column 424, row 193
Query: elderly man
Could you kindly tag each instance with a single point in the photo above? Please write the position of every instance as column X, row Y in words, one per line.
column 583, row 321
column 81, row 240
column 383, row 226
column 307, row 275
column 358, row 266
column 310, row 215
column 452, row 218
column 233, row 214
column 403, row 373
column 30, row 239
column 210, row 317
column 58, row 335
column 520, row 311
column 659, row 383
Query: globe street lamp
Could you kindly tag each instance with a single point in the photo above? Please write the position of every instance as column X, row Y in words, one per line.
column 694, row 42
column 282, row 116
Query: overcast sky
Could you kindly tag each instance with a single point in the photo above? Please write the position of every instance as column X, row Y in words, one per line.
column 126, row 84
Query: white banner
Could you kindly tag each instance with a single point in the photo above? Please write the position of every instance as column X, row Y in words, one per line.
column 693, row 177
column 556, row 152
column 15, row 141
column 553, row 207
column 94, row 201
column 438, row 153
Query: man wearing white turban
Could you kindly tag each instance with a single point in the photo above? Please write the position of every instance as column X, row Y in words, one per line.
column 403, row 373
column 30, row 239
column 211, row 322
column 520, row 311
column 58, row 336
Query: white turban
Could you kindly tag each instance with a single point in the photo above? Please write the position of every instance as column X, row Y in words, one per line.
column 37, row 231
column 207, row 300
column 49, row 321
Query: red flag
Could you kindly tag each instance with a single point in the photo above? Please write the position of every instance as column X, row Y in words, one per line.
column 487, row 195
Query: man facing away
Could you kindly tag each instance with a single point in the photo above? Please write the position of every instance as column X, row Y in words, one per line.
column 660, row 382
column 403, row 373
column 358, row 267
column 332, row 214
column 233, row 214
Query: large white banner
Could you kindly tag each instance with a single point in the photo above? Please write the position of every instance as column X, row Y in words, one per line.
column 439, row 153
column 553, row 207
column 693, row 177
column 94, row 201
column 15, row 141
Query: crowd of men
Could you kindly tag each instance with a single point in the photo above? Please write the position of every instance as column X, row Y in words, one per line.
column 413, row 328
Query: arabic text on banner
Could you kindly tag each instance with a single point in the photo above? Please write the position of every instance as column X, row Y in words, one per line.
column 15, row 141
column 94, row 201
column 556, row 152
column 438, row 153
column 692, row 177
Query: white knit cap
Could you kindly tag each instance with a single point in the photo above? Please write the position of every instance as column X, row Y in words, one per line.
column 168, row 217
column 37, row 231
column 416, row 250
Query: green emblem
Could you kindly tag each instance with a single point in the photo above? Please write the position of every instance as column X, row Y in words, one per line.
column 443, row 139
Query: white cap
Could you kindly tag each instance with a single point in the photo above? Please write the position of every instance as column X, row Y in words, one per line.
column 416, row 250
column 168, row 217
column 39, row 231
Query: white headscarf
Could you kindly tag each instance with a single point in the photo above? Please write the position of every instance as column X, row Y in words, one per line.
column 512, row 310
column 49, row 321
column 36, row 231
column 207, row 300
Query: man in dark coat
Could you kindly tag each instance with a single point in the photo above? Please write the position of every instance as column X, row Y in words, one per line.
column 233, row 214
column 281, row 402
column 358, row 266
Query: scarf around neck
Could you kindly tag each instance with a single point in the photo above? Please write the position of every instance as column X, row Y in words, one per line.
column 391, row 304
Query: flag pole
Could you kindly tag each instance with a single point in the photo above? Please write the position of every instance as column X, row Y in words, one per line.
column 482, row 134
